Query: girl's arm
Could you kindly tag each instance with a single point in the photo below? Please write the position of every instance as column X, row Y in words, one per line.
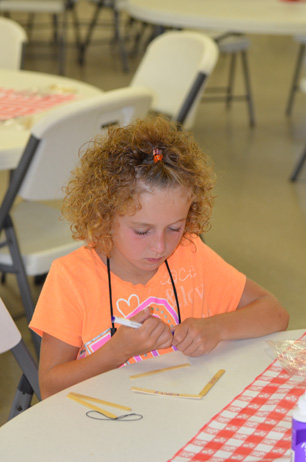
column 258, row 313
column 59, row 369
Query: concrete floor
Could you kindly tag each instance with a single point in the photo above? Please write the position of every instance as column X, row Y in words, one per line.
column 259, row 221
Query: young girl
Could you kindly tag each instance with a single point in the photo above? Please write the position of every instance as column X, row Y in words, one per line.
column 139, row 199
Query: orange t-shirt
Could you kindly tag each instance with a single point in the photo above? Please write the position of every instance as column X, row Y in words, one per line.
column 74, row 304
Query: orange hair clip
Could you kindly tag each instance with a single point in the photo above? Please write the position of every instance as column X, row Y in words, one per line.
column 157, row 155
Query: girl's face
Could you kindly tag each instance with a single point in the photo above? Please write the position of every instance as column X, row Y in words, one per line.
column 143, row 241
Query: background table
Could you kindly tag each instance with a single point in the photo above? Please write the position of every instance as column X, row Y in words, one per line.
column 14, row 134
column 58, row 428
column 248, row 16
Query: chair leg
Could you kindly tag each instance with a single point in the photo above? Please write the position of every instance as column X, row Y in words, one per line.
column 55, row 28
column 83, row 46
column 30, row 24
column 62, row 43
column 23, row 55
column 133, row 36
column 22, row 399
column 117, row 36
column 248, row 88
column 28, row 366
column 231, row 79
column 76, row 26
column 295, row 80
column 120, row 41
column 22, row 280
column 298, row 167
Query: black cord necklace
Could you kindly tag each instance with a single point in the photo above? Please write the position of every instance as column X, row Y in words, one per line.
column 113, row 328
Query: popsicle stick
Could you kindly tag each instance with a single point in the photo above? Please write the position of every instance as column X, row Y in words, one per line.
column 164, row 393
column 93, row 407
column 157, row 371
column 211, row 383
column 100, row 401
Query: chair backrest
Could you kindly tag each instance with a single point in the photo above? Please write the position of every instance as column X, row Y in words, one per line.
column 175, row 67
column 9, row 333
column 12, row 38
column 56, row 140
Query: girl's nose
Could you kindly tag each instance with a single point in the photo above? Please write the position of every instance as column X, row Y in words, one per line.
column 158, row 243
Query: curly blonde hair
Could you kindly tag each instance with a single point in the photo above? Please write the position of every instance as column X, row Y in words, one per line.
column 108, row 180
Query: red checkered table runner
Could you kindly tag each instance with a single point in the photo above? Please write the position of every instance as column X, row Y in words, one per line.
column 21, row 103
column 255, row 426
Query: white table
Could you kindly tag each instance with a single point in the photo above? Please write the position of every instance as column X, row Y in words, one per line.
column 58, row 428
column 247, row 16
column 14, row 135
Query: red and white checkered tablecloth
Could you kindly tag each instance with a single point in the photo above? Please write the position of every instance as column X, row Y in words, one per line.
column 255, row 426
column 20, row 103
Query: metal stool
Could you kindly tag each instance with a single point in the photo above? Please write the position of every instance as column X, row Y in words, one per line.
column 233, row 45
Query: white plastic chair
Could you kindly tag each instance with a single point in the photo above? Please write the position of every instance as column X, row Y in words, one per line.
column 11, row 340
column 13, row 38
column 57, row 8
column 230, row 44
column 175, row 67
column 32, row 233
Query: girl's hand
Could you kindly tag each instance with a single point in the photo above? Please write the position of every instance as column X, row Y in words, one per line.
column 194, row 337
column 152, row 335
column 258, row 313
column 59, row 369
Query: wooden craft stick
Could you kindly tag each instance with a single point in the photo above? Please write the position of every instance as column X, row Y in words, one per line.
column 92, row 406
column 100, row 401
column 212, row 381
column 157, row 371
column 164, row 393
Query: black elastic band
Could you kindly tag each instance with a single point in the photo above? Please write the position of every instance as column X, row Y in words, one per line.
column 175, row 293
column 113, row 328
column 121, row 418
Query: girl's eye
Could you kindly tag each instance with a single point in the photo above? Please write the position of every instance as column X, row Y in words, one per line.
column 175, row 230
column 144, row 233
column 141, row 233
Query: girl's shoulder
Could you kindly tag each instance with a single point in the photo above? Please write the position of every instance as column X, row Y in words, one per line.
column 192, row 247
column 82, row 258
column 82, row 254
column 194, row 251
